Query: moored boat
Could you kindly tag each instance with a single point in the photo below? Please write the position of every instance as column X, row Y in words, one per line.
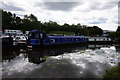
column 39, row 38
column 99, row 40
column 20, row 40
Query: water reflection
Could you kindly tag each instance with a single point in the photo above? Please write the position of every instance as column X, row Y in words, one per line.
column 39, row 56
column 117, row 48
column 11, row 54
column 118, row 51
column 61, row 62
column 97, row 46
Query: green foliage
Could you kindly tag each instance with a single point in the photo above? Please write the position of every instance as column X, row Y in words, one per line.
column 115, row 34
column 112, row 34
column 118, row 28
column 11, row 21
column 112, row 74
column 30, row 22
column 62, row 32
column 118, row 34
column 94, row 31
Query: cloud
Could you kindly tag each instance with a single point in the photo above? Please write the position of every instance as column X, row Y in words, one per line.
column 100, row 20
column 62, row 6
column 0, row 4
column 115, row 21
column 100, row 13
column 119, row 4
column 20, row 15
column 102, row 6
column 95, row 22
column 75, row 18
column 103, row 20
column 119, row 10
column 118, row 22
column 11, row 7
column 96, row 6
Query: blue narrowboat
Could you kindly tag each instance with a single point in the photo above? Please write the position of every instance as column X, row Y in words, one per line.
column 38, row 38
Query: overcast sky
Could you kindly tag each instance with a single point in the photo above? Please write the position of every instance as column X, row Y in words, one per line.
column 103, row 13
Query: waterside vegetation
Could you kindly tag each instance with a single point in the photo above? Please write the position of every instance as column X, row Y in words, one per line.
column 112, row 74
column 11, row 21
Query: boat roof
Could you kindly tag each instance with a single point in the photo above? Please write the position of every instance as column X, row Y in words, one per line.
column 67, row 36
column 35, row 30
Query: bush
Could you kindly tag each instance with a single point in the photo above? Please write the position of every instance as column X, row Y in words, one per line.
column 112, row 74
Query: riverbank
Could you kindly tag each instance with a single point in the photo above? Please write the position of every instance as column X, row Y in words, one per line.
column 112, row 74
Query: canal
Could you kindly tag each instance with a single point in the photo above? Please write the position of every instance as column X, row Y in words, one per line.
column 87, row 61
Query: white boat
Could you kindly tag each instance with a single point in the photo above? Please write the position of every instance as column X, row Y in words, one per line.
column 19, row 40
column 13, row 31
column 4, row 35
column 99, row 39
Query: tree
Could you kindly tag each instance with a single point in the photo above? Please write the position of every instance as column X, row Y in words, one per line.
column 112, row 34
column 11, row 21
column 118, row 28
column 30, row 22
column 94, row 31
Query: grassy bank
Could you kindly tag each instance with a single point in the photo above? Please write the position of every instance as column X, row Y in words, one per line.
column 62, row 32
column 112, row 74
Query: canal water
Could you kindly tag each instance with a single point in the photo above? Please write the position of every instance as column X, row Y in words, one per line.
column 87, row 61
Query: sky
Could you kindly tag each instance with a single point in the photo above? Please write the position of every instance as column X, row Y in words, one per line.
column 101, row 13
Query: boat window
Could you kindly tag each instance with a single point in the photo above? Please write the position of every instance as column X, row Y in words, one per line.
column 52, row 40
column 77, row 39
column 17, row 37
column 109, row 39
